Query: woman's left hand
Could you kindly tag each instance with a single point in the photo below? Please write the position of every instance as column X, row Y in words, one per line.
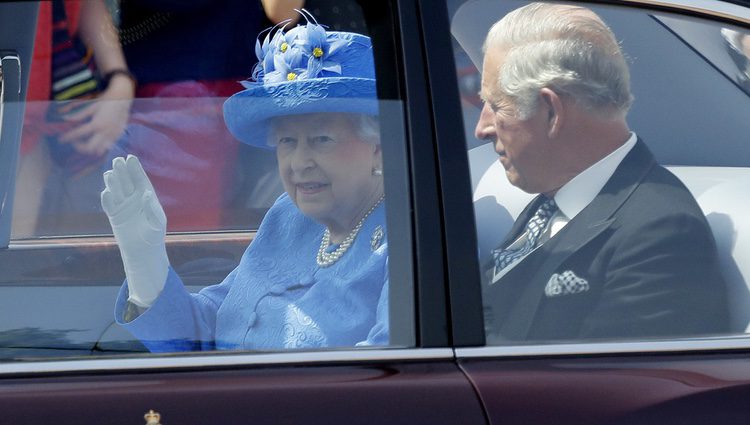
column 103, row 120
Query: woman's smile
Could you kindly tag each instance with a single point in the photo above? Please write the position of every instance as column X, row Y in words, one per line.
column 311, row 188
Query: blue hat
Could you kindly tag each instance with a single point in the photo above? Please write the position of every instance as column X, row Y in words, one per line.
column 301, row 71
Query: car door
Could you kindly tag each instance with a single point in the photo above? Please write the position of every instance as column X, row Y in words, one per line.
column 688, row 73
column 62, row 356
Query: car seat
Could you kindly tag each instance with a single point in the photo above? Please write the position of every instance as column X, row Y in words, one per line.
column 723, row 194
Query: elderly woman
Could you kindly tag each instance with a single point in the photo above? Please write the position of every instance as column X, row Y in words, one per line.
column 316, row 273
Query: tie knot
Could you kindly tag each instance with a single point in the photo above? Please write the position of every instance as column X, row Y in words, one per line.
column 534, row 228
column 547, row 208
column 539, row 220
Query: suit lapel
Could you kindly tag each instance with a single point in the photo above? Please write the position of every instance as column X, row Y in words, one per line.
column 551, row 254
column 588, row 224
column 519, row 226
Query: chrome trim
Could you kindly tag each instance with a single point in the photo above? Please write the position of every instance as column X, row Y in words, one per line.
column 104, row 240
column 741, row 342
column 704, row 7
column 12, row 96
column 11, row 117
column 2, row 99
column 172, row 362
column 12, row 57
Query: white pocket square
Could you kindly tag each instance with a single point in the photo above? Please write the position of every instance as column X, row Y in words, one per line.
column 565, row 283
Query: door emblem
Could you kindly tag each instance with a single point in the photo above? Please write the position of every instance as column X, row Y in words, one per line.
column 152, row 418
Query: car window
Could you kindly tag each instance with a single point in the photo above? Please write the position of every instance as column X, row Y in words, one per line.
column 241, row 172
column 601, row 281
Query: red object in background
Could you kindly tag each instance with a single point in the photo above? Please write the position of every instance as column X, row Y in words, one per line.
column 177, row 130
column 40, row 72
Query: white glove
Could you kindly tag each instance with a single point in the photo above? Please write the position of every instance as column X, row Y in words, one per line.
column 139, row 225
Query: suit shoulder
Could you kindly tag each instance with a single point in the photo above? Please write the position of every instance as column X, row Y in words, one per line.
column 661, row 204
column 661, row 192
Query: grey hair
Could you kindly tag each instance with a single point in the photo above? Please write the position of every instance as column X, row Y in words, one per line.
column 368, row 127
column 565, row 48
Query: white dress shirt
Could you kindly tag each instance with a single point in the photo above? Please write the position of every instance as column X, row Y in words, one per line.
column 574, row 196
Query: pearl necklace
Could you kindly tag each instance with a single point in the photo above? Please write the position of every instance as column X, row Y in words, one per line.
column 325, row 259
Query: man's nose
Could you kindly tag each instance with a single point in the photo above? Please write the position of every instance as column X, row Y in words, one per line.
column 485, row 129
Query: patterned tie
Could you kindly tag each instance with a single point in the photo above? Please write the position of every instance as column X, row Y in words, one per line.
column 534, row 229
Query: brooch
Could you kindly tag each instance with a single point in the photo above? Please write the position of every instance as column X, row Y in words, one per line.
column 377, row 238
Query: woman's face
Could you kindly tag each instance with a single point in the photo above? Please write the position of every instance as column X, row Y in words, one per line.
column 327, row 168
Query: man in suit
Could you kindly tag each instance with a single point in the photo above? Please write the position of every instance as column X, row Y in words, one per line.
column 614, row 245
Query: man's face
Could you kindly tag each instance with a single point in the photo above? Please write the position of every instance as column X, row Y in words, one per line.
column 523, row 145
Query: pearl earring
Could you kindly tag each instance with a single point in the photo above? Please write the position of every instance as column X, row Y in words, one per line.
column 377, row 171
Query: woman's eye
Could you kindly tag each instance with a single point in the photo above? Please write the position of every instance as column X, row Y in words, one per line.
column 286, row 141
column 322, row 143
column 322, row 140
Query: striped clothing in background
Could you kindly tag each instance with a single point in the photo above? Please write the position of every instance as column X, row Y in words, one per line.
column 72, row 65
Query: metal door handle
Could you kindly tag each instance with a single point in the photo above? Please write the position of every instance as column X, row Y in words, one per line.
column 10, row 82
column 11, row 117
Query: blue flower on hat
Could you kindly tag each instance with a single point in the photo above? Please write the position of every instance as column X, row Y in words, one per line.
column 300, row 71
column 303, row 52
column 266, row 51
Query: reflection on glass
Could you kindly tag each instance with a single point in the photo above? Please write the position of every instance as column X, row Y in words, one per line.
column 56, row 295
column 103, row 87
column 738, row 45
column 183, row 145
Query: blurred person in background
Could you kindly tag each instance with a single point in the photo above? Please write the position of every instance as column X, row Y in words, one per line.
column 78, row 100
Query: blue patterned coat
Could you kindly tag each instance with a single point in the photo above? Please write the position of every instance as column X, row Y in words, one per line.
column 278, row 297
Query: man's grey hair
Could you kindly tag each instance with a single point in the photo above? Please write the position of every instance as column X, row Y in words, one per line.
column 565, row 48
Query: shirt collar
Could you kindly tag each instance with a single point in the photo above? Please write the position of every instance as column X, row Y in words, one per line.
column 576, row 194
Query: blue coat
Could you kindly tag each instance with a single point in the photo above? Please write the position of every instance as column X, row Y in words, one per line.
column 277, row 297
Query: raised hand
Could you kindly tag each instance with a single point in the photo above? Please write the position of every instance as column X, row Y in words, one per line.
column 139, row 225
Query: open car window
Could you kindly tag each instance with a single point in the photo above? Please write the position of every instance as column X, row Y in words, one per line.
column 688, row 79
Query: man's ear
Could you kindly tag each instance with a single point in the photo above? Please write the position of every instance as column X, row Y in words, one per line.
column 555, row 111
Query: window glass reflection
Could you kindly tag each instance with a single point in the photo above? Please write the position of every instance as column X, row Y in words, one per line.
column 274, row 196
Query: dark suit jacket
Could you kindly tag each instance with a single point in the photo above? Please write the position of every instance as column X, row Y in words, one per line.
column 644, row 247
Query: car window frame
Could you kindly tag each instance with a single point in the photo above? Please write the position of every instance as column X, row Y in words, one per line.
column 15, row 81
column 428, row 317
column 462, row 269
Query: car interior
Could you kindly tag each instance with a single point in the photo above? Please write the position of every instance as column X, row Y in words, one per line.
column 700, row 134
